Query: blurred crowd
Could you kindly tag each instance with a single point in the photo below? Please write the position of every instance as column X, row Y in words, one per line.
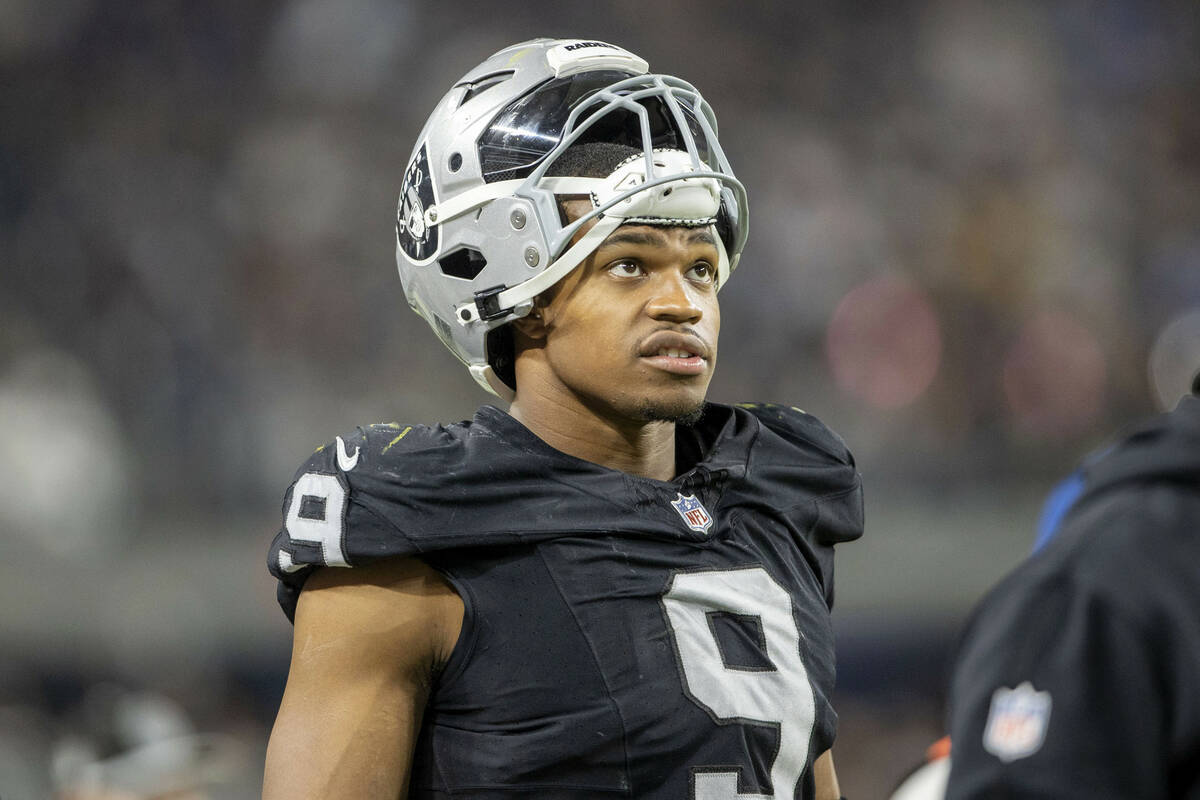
column 974, row 251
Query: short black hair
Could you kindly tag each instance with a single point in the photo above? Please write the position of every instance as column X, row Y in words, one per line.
column 591, row 160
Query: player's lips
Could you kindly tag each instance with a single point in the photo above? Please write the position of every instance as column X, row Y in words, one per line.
column 676, row 352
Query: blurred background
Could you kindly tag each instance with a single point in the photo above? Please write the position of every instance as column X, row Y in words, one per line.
column 975, row 252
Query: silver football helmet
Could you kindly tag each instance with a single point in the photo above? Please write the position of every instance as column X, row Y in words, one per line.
column 479, row 232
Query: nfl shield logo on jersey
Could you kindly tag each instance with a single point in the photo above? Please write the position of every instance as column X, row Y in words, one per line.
column 1016, row 724
column 694, row 514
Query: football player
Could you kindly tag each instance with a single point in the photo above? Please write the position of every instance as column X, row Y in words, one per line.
column 1077, row 674
column 613, row 589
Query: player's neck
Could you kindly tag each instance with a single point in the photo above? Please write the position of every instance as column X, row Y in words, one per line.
column 633, row 446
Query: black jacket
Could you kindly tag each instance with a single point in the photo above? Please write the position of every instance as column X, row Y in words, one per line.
column 1079, row 674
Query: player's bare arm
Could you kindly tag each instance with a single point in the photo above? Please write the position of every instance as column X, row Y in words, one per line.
column 825, row 778
column 368, row 643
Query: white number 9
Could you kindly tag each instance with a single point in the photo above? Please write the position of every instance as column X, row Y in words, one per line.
column 316, row 515
column 781, row 696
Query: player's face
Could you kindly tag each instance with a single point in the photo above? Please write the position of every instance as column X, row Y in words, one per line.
column 633, row 331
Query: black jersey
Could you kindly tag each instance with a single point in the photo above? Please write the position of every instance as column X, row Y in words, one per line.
column 623, row 636
column 1078, row 674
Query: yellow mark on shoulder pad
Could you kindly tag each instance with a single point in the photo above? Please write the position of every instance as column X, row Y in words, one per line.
column 403, row 433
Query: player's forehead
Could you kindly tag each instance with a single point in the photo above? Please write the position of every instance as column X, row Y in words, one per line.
column 637, row 234
column 659, row 236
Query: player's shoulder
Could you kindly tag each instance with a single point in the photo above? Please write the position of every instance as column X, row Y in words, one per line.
column 368, row 495
column 393, row 449
column 799, row 429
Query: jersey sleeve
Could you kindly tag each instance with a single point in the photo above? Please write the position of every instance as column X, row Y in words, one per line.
column 808, row 463
column 1056, row 693
column 329, row 520
column 802, row 429
column 810, row 476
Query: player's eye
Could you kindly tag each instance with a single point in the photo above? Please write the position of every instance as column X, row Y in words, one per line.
column 702, row 272
column 625, row 269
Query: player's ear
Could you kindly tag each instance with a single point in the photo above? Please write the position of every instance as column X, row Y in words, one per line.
column 531, row 327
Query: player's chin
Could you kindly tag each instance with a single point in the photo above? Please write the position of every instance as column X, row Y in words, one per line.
column 682, row 405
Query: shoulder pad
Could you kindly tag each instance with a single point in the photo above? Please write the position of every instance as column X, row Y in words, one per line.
column 801, row 428
column 335, row 512
column 371, row 448
column 796, row 456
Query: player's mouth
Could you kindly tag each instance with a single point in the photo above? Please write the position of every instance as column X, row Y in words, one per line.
column 675, row 352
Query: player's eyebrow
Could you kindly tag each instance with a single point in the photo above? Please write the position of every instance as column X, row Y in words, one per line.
column 653, row 238
column 636, row 237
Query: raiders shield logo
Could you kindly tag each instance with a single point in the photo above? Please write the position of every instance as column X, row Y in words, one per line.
column 418, row 240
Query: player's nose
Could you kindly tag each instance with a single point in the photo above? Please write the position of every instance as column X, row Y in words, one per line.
column 673, row 298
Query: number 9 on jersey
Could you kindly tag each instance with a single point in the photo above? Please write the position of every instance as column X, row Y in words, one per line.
column 780, row 696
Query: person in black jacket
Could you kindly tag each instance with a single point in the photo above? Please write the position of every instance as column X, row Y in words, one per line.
column 1079, row 674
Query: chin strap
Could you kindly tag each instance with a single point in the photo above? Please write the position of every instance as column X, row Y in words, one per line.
column 498, row 302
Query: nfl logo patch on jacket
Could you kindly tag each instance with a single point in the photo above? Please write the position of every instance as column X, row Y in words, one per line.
column 1016, row 725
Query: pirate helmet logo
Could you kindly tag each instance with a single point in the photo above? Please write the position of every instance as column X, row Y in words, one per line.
column 418, row 239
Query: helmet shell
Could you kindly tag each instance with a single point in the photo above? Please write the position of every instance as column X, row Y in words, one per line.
column 476, row 215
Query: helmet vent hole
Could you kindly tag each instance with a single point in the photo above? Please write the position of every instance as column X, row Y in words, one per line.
column 465, row 263
column 666, row 192
column 455, row 162
column 484, row 83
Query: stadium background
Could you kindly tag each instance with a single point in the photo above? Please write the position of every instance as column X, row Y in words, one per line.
column 975, row 252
